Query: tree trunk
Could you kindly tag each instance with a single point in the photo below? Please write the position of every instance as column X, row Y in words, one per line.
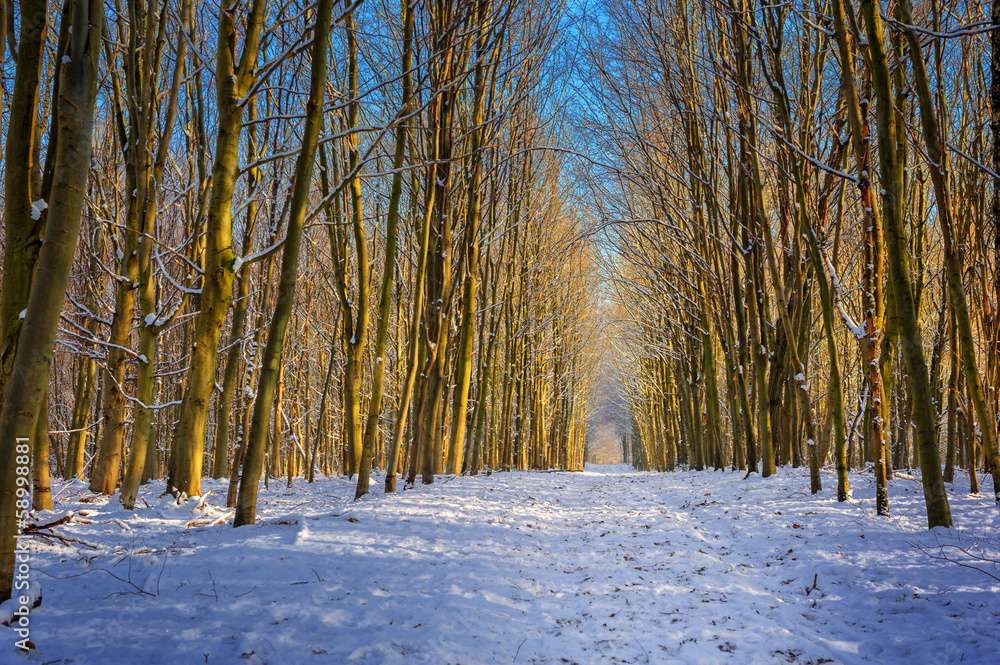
column 233, row 81
column 28, row 383
column 935, row 498
column 246, row 503
column 23, row 208
column 874, row 250
column 937, row 156
column 389, row 267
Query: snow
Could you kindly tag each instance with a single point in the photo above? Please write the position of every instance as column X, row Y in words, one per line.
column 605, row 566
column 36, row 209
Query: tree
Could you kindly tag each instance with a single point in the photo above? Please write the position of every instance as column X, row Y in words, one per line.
column 247, row 502
column 28, row 382
column 233, row 79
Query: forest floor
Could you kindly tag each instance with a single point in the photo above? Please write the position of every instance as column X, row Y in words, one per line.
column 607, row 566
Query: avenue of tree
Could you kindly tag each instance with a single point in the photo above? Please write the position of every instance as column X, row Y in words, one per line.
column 254, row 241
column 804, row 215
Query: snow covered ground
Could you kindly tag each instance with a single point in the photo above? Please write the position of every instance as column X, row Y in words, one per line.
column 607, row 566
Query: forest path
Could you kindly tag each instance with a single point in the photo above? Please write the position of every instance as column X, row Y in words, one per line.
column 607, row 566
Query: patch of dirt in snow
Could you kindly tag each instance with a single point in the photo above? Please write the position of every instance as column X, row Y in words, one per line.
column 608, row 566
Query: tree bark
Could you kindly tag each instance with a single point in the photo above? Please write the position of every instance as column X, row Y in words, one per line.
column 938, row 163
column 935, row 498
column 246, row 503
column 28, row 383
column 233, row 81
column 389, row 266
